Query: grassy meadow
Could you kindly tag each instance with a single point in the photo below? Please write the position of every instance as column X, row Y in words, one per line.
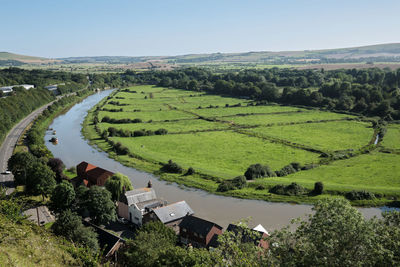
column 220, row 137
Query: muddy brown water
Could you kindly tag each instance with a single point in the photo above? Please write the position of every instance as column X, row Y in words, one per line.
column 72, row 148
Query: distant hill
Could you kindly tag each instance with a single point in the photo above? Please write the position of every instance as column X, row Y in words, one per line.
column 377, row 53
column 362, row 54
column 12, row 59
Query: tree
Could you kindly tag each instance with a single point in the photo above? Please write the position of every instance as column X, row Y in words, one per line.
column 100, row 206
column 318, row 188
column 69, row 225
column 62, row 197
column 117, row 184
column 40, row 179
column 258, row 171
column 18, row 164
column 335, row 235
column 57, row 167
column 150, row 242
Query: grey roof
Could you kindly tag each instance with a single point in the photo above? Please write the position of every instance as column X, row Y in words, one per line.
column 151, row 204
column 139, row 195
column 173, row 211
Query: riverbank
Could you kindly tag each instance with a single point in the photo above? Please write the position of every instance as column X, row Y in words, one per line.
column 202, row 181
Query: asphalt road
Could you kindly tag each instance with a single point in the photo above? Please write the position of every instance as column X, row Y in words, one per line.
column 7, row 148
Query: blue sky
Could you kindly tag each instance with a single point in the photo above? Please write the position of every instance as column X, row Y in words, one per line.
column 59, row 28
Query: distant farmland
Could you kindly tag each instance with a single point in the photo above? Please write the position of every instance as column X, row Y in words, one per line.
column 220, row 137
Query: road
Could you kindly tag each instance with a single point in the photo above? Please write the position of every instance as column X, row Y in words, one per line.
column 7, row 148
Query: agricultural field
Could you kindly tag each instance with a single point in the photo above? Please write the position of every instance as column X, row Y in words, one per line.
column 341, row 134
column 376, row 172
column 220, row 137
column 392, row 137
column 285, row 118
column 224, row 154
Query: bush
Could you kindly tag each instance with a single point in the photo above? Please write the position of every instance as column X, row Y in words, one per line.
column 318, row 188
column 359, row 195
column 225, row 186
column 288, row 169
column 161, row 131
column 257, row 171
column 260, row 187
column 190, row 171
column 239, row 182
column 293, row 189
column 172, row 167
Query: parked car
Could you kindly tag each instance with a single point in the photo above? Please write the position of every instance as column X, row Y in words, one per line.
column 6, row 172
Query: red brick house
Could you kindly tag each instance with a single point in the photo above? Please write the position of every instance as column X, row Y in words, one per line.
column 199, row 232
column 92, row 175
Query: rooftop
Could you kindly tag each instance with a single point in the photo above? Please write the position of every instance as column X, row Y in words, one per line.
column 173, row 211
column 139, row 195
column 198, row 225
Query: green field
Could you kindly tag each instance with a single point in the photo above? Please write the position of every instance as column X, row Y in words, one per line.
column 376, row 172
column 327, row 136
column 220, row 142
column 224, row 154
column 392, row 137
column 285, row 118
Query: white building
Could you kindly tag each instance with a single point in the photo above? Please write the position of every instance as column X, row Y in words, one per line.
column 136, row 203
column 9, row 89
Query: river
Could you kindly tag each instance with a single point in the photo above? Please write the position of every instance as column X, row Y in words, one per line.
column 72, row 148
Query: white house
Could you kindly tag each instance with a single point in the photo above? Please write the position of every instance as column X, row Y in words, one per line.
column 136, row 203
column 6, row 89
column 9, row 89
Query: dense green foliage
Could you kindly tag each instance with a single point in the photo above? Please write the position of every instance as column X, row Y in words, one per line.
column 69, row 225
column 336, row 234
column 99, row 204
column 117, row 185
column 62, row 197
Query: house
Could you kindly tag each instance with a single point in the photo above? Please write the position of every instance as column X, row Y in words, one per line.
column 134, row 204
column 198, row 232
column 92, row 175
column 256, row 235
column 108, row 242
column 6, row 89
column 170, row 215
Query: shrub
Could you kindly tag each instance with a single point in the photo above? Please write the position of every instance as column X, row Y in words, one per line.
column 172, row 167
column 139, row 133
column 260, row 187
column 318, row 188
column 293, row 189
column 359, row 195
column 239, row 182
column 225, row 186
column 161, row 131
column 257, row 171
column 288, row 169
column 190, row 171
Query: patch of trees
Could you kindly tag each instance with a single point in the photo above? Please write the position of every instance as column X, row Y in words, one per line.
column 359, row 195
column 117, row 103
column 238, row 182
column 258, row 171
column 118, row 148
column 113, row 109
column 111, row 131
column 172, row 167
column 107, row 119
column 293, row 189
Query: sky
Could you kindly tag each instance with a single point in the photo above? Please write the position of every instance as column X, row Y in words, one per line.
column 60, row 28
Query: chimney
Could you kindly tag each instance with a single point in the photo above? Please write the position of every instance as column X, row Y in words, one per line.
column 149, row 184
